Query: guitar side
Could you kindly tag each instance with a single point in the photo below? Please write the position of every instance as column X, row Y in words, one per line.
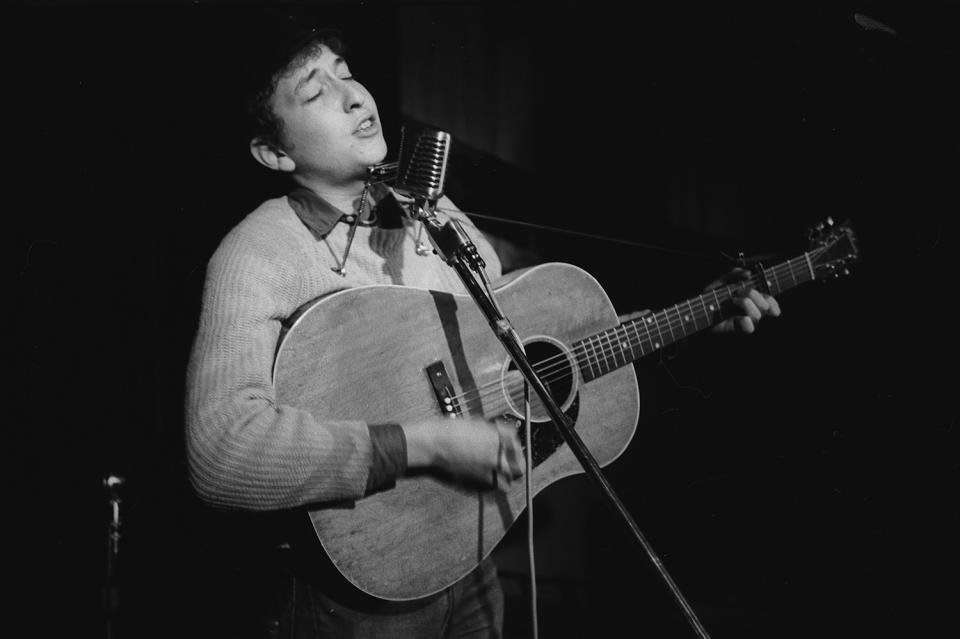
column 424, row 534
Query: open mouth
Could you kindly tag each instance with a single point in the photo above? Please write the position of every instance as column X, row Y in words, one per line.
column 365, row 125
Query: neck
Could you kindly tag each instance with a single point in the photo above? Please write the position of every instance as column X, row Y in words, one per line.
column 608, row 350
column 342, row 196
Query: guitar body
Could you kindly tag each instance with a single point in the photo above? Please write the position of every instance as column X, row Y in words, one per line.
column 363, row 353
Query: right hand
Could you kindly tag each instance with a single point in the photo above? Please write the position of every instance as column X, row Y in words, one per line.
column 471, row 449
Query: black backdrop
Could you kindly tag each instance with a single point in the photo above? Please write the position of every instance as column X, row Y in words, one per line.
column 798, row 483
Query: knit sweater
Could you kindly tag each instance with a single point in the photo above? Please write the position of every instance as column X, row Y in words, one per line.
column 246, row 451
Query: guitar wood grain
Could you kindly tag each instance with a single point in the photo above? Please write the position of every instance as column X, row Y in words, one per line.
column 361, row 354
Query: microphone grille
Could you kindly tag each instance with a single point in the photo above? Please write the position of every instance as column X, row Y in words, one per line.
column 422, row 168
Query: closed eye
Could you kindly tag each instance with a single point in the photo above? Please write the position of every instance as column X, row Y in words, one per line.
column 348, row 78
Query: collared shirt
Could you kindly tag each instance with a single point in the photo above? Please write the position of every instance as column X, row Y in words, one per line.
column 380, row 209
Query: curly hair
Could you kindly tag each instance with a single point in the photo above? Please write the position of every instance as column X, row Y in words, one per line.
column 289, row 55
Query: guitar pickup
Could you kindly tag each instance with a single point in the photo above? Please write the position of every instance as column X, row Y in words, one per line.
column 443, row 389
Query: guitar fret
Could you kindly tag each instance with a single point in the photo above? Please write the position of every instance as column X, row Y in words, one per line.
column 622, row 344
column 676, row 309
column 703, row 310
column 666, row 318
column 611, row 351
column 598, row 352
column 601, row 355
column 608, row 352
column 656, row 325
column 636, row 338
column 591, row 358
column 583, row 360
column 693, row 316
column 810, row 266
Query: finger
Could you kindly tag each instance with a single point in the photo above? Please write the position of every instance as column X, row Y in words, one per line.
column 774, row 306
column 735, row 275
column 749, row 309
column 745, row 323
column 758, row 299
column 511, row 461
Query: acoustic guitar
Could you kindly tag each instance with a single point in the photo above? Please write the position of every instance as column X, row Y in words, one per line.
column 395, row 354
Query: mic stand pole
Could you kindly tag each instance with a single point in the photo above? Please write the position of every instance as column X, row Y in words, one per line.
column 110, row 593
column 456, row 249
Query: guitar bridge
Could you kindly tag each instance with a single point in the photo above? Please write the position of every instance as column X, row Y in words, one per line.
column 443, row 389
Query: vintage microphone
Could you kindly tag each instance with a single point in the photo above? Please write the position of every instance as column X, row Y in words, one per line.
column 421, row 174
column 422, row 166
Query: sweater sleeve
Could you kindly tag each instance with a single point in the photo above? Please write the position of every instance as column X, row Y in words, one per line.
column 245, row 451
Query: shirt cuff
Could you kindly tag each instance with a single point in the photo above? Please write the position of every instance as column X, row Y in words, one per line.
column 388, row 460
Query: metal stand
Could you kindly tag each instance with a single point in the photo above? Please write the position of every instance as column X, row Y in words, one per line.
column 455, row 248
column 111, row 593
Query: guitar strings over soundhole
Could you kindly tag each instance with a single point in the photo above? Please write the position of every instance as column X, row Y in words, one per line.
column 556, row 367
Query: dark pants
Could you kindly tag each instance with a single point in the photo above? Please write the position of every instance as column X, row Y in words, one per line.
column 313, row 604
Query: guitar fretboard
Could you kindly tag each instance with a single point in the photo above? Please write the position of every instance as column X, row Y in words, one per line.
column 608, row 350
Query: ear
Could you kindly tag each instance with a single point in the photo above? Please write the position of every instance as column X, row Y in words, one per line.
column 270, row 156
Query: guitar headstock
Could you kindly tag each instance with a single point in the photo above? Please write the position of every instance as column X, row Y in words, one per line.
column 832, row 249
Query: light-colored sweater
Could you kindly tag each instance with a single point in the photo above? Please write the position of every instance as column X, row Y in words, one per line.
column 244, row 450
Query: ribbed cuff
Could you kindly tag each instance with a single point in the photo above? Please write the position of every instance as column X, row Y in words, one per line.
column 388, row 456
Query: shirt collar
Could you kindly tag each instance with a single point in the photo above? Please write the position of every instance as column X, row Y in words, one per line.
column 382, row 209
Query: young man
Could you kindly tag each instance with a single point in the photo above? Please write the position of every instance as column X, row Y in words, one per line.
column 318, row 125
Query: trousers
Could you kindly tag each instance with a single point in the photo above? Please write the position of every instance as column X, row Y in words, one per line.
column 294, row 603
column 473, row 607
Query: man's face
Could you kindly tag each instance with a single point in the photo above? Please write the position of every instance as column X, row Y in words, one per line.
column 331, row 128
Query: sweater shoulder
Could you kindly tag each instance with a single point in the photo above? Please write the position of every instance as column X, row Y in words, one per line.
column 271, row 232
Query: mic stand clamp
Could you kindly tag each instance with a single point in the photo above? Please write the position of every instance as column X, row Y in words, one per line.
column 456, row 249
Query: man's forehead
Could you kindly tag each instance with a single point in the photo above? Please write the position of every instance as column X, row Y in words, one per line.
column 304, row 68
column 318, row 56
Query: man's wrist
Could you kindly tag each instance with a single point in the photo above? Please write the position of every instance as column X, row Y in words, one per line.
column 421, row 444
column 388, row 456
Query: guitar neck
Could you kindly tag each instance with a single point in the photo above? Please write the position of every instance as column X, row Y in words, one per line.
column 608, row 350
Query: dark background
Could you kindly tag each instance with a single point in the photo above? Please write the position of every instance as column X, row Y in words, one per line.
column 800, row 482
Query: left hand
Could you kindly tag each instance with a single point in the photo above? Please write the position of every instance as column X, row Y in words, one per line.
column 753, row 304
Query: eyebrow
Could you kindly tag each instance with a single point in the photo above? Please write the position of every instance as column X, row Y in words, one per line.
column 313, row 72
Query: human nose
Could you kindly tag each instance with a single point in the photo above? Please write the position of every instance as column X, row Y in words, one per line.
column 352, row 96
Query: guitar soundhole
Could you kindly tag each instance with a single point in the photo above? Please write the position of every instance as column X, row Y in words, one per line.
column 556, row 369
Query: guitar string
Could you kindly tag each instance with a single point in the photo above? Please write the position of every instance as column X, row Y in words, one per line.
column 776, row 271
column 559, row 362
column 607, row 352
column 581, row 355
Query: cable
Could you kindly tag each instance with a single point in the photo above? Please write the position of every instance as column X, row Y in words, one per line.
column 592, row 236
column 529, row 482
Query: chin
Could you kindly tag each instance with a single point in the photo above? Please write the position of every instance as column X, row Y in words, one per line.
column 378, row 151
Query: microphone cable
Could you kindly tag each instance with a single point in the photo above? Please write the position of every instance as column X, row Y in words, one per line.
column 529, row 484
column 604, row 238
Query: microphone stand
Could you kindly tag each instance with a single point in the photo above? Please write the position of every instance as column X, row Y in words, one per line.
column 111, row 593
column 457, row 250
